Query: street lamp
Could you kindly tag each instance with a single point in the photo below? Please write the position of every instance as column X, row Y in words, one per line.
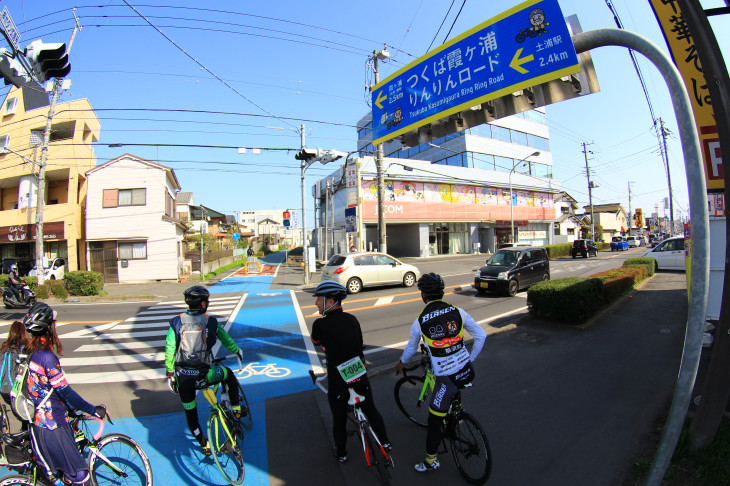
column 511, row 196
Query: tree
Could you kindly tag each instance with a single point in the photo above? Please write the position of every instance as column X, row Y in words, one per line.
column 599, row 234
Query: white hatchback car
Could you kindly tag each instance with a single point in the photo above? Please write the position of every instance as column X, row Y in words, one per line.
column 634, row 241
column 55, row 270
column 669, row 254
column 358, row 270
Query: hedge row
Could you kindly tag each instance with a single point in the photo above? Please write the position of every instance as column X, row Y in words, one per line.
column 574, row 300
column 73, row 283
column 563, row 249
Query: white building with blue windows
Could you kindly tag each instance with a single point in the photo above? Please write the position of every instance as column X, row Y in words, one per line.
column 451, row 195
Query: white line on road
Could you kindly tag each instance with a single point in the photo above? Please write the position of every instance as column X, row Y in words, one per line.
column 384, row 300
column 119, row 346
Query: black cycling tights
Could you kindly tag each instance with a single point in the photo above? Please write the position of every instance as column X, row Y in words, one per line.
column 187, row 388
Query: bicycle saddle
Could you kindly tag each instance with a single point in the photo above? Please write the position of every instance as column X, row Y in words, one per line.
column 15, row 439
column 355, row 398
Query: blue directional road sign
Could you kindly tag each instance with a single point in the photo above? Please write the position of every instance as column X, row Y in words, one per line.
column 235, row 236
column 525, row 46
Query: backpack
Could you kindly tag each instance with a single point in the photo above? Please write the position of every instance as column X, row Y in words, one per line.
column 20, row 400
column 8, row 369
column 192, row 349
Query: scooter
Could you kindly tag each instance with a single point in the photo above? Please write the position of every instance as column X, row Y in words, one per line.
column 27, row 297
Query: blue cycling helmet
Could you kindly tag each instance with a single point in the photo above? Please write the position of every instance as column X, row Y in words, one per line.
column 331, row 289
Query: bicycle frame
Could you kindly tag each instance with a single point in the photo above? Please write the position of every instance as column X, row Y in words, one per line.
column 360, row 419
column 210, row 395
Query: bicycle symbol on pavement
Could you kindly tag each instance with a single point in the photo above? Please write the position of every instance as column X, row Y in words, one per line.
column 256, row 369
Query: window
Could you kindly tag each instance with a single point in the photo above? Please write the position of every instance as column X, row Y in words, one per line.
column 519, row 137
column 501, row 133
column 571, row 231
column 4, row 142
column 10, row 106
column 124, row 197
column 564, row 209
column 133, row 251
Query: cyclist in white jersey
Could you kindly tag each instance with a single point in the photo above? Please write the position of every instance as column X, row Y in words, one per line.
column 441, row 326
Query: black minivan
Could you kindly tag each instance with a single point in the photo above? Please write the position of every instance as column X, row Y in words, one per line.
column 512, row 269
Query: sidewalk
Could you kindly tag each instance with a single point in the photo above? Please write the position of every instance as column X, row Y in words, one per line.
column 560, row 404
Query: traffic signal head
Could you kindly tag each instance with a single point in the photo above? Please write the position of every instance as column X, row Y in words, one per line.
column 286, row 217
column 307, row 154
column 13, row 71
column 48, row 60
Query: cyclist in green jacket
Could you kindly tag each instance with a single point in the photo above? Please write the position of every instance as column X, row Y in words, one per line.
column 188, row 358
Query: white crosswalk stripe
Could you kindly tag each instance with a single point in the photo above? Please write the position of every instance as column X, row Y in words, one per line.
column 136, row 344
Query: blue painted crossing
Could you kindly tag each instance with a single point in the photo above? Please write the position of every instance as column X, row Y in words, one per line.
column 276, row 363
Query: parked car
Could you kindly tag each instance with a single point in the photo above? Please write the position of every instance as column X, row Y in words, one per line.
column 512, row 269
column 365, row 269
column 55, row 270
column 584, row 248
column 669, row 254
column 619, row 243
column 633, row 241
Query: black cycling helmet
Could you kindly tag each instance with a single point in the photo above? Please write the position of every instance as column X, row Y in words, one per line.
column 431, row 284
column 331, row 289
column 194, row 296
column 39, row 319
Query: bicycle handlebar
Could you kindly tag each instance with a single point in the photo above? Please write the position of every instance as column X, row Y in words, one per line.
column 317, row 380
column 91, row 418
column 223, row 358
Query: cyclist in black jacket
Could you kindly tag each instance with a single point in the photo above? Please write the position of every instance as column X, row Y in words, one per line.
column 340, row 336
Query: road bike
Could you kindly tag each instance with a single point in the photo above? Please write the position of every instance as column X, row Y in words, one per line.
column 375, row 453
column 469, row 445
column 225, row 432
column 112, row 458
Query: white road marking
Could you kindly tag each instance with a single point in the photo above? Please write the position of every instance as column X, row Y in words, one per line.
column 384, row 300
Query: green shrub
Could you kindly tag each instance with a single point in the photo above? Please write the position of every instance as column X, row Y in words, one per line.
column 55, row 288
column 84, row 283
column 31, row 281
column 558, row 251
column 617, row 282
column 42, row 292
column 572, row 300
column 647, row 262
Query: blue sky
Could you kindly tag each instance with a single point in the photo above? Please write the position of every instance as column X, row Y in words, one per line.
column 305, row 63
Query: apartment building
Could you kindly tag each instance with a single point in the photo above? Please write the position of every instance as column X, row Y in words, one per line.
column 75, row 127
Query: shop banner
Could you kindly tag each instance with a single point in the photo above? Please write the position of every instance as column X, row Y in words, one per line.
column 26, row 232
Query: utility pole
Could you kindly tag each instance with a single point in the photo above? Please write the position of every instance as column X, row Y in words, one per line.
column 303, row 167
column 40, row 269
column 665, row 132
column 382, row 244
column 590, row 193
column 630, row 214
column 326, row 220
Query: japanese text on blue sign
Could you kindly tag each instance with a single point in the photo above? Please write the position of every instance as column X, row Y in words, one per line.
column 527, row 45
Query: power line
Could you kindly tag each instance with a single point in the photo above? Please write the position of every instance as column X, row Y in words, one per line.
column 442, row 24
column 204, row 67
column 454, row 22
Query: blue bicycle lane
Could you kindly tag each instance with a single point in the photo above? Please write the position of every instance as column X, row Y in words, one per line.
column 268, row 331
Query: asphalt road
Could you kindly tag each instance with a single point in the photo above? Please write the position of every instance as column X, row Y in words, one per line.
column 112, row 356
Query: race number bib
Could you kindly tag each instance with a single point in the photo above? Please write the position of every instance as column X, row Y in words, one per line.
column 352, row 369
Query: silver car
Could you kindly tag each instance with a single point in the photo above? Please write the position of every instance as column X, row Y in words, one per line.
column 358, row 270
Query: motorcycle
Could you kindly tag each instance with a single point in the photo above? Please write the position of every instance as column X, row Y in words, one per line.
column 27, row 297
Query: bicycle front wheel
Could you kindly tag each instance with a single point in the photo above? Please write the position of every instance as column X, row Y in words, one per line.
column 118, row 460
column 374, row 454
column 470, row 448
column 21, row 480
column 412, row 399
column 246, row 420
column 226, row 445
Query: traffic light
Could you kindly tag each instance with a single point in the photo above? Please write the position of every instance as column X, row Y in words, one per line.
column 287, row 218
column 13, row 71
column 307, row 154
column 48, row 60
